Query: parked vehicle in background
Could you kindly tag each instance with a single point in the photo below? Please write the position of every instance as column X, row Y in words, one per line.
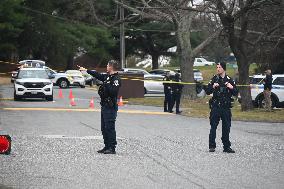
column 202, row 62
column 162, row 72
column 60, row 79
column 33, row 83
column 76, row 78
column 277, row 91
column 135, row 70
column 197, row 75
column 153, row 84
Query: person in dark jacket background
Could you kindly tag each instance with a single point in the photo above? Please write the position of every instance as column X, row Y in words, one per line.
column 108, row 92
column 177, row 91
column 223, row 88
column 267, row 81
column 168, row 93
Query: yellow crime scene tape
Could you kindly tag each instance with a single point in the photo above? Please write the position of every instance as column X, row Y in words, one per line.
column 139, row 78
column 183, row 83
column 4, row 62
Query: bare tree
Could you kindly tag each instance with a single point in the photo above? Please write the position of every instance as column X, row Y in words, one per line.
column 236, row 18
column 181, row 14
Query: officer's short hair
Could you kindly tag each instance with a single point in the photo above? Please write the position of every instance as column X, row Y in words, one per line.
column 113, row 64
column 222, row 64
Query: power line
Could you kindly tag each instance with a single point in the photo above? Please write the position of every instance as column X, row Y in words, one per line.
column 85, row 23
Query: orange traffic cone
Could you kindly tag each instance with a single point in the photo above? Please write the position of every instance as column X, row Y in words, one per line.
column 71, row 94
column 120, row 103
column 92, row 103
column 72, row 102
column 60, row 95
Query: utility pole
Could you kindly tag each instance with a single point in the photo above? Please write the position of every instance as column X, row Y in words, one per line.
column 122, row 38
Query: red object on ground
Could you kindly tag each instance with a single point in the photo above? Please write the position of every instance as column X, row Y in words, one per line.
column 120, row 103
column 72, row 102
column 5, row 144
column 71, row 94
column 92, row 103
column 60, row 93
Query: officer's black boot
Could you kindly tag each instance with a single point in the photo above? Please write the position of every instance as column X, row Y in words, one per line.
column 101, row 151
column 110, row 151
column 228, row 150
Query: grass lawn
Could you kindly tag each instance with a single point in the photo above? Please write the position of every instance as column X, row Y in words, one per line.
column 200, row 108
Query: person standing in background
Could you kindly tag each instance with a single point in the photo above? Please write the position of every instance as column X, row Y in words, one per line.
column 168, row 93
column 177, row 90
column 267, row 82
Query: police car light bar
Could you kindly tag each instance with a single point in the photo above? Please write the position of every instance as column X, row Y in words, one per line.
column 32, row 63
column 5, row 144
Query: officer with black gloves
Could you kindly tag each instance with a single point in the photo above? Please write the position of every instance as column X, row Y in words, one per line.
column 168, row 94
column 108, row 92
column 223, row 88
column 177, row 90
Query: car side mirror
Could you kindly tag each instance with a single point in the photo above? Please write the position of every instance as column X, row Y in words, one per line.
column 51, row 76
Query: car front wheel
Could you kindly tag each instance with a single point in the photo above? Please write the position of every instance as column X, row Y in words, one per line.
column 63, row 83
column 261, row 101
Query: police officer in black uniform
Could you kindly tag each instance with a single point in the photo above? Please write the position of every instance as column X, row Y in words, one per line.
column 168, row 93
column 223, row 88
column 177, row 90
column 108, row 92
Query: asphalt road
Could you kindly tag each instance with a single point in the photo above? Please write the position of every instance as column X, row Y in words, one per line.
column 54, row 146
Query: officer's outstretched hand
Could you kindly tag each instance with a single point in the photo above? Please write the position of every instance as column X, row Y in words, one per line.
column 229, row 85
column 81, row 68
column 215, row 85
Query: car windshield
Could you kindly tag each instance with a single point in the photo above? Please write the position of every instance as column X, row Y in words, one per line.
column 42, row 74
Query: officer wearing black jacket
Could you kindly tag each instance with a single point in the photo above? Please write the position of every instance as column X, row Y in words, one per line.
column 177, row 90
column 108, row 92
column 223, row 88
column 168, row 94
column 267, row 82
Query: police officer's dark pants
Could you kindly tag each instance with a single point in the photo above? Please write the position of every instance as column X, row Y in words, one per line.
column 167, row 102
column 215, row 115
column 108, row 118
column 176, row 97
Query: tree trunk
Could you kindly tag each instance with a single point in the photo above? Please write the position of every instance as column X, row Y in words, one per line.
column 185, row 55
column 243, row 68
column 237, row 45
column 155, row 61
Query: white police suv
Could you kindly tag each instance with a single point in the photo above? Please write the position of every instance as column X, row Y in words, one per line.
column 33, row 83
